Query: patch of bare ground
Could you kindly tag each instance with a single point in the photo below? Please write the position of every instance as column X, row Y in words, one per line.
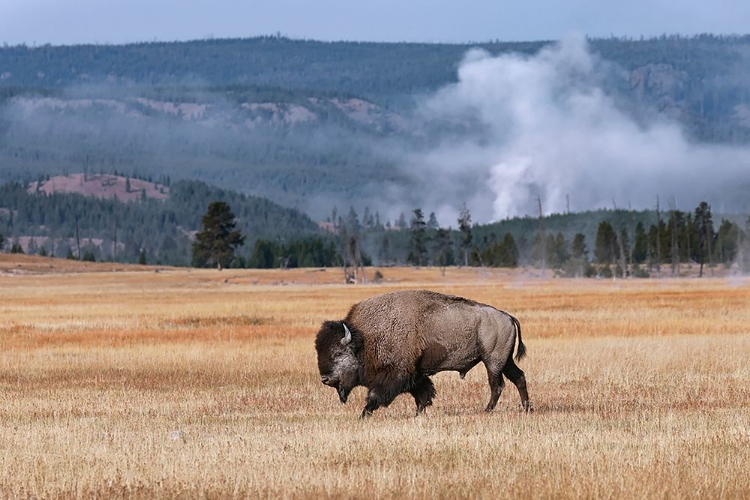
column 200, row 383
column 101, row 186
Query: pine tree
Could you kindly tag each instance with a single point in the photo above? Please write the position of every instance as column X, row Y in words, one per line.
column 506, row 253
column 401, row 221
column 705, row 233
column 418, row 243
column 640, row 246
column 580, row 265
column 432, row 222
column 557, row 253
column 727, row 242
column 578, row 248
column 442, row 251
column 216, row 243
column 605, row 250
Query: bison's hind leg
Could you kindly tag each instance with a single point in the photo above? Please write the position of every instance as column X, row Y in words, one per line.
column 495, row 378
column 516, row 375
column 423, row 392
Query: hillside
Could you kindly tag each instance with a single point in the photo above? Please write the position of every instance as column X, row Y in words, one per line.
column 96, row 213
column 318, row 126
column 701, row 78
column 102, row 186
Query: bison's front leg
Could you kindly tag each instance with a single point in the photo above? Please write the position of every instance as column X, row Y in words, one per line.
column 423, row 392
column 384, row 390
column 372, row 403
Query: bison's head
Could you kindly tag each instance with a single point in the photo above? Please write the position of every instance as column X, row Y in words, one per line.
column 338, row 360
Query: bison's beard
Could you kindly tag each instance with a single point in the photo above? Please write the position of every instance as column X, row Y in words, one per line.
column 343, row 393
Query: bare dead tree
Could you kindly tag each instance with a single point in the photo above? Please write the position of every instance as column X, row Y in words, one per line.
column 620, row 243
column 344, row 241
column 114, row 244
column 740, row 258
column 542, row 235
column 674, row 250
column 631, row 236
column 710, row 255
column 356, row 257
column 78, row 240
column 658, row 238
column 351, row 256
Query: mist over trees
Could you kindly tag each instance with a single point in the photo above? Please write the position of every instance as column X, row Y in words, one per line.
column 283, row 131
column 303, row 122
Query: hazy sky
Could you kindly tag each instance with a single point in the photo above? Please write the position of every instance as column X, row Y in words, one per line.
column 37, row 22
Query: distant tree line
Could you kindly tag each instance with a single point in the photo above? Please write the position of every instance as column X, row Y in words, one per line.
column 678, row 239
column 600, row 243
column 623, row 243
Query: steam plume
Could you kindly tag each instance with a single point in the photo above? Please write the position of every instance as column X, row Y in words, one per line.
column 546, row 127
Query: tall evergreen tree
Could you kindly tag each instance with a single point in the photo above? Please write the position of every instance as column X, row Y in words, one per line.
column 432, row 222
column 263, row 255
column 727, row 242
column 640, row 245
column 418, row 239
column 401, row 221
column 578, row 248
column 506, row 253
column 744, row 250
column 605, row 250
column 579, row 256
column 442, row 250
column 705, row 232
column 464, row 225
column 216, row 243
column 557, row 252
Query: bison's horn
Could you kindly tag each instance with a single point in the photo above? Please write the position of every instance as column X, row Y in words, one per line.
column 347, row 336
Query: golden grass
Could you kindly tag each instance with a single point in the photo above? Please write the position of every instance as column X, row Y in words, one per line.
column 192, row 383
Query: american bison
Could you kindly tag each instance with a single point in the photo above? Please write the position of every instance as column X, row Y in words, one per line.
column 392, row 343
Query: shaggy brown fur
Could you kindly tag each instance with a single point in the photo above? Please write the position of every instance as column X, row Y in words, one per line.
column 399, row 339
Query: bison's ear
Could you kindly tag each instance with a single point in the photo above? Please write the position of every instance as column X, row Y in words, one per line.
column 347, row 336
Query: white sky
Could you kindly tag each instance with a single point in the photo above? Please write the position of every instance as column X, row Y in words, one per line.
column 37, row 22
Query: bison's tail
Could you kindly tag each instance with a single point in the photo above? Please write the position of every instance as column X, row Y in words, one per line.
column 521, row 351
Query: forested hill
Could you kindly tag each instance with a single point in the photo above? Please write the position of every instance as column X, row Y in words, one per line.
column 366, row 69
column 160, row 221
column 316, row 124
column 701, row 78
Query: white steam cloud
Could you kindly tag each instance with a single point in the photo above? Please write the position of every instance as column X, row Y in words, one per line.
column 546, row 128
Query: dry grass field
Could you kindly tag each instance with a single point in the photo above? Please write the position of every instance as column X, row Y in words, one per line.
column 125, row 382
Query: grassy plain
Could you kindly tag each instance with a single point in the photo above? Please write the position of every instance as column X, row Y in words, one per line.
column 120, row 382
